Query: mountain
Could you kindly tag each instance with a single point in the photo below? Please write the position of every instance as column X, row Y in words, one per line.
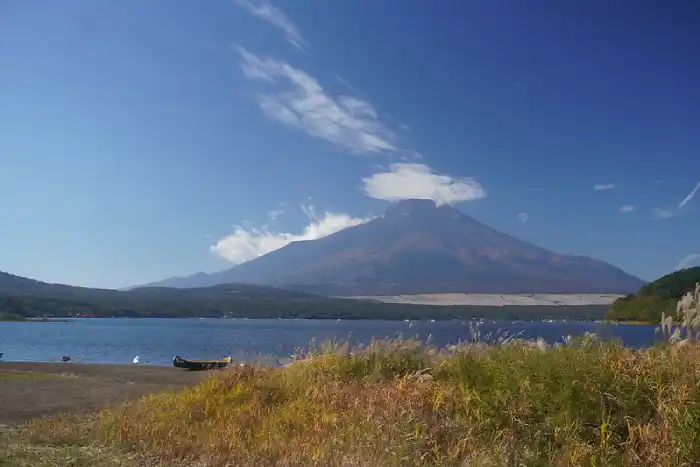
column 417, row 247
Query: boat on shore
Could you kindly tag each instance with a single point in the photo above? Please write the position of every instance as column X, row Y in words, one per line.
column 195, row 365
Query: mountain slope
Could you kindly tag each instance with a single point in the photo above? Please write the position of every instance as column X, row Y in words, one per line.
column 418, row 247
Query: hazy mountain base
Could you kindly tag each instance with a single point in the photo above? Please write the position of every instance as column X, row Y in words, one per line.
column 455, row 299
column 25, row 297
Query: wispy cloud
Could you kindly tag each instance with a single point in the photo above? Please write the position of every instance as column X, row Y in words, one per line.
column 603, row 187
column 273, row 214
column 245, row 244
column 264, row 10
column 627, row 208
column 418, row 181
column 672, row 211
column 690, row 196
column 663, row 213
column 523, row 217
column 689, row 260
column 346, row 121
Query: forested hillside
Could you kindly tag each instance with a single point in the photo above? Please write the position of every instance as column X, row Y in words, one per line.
column 655, row 297
column 26, row 297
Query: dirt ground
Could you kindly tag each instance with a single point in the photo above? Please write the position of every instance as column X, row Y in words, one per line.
column 31, row 390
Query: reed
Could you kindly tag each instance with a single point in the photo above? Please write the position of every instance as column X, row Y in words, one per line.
column 584, row 402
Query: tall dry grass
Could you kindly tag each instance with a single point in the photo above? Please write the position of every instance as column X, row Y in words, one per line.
column 401, row 403
column 398, row 403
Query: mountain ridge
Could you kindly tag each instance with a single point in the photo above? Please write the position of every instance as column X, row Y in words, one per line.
column 418, row 247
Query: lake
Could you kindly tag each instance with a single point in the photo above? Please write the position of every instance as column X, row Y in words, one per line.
column 156, row 341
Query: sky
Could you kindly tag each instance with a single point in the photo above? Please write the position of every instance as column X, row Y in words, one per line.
column 142, row 140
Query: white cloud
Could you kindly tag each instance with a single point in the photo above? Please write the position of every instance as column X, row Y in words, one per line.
column 522, row 217
column 603, row 187
column 411, row 180
column 245, row 244
column 627, row 208
column 347, row 121
column 688, row 261
column 264, row 10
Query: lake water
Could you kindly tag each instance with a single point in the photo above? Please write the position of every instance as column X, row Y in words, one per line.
column 156, row 341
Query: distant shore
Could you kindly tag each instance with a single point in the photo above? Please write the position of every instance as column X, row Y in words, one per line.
column 475, row 299
column 25, row 319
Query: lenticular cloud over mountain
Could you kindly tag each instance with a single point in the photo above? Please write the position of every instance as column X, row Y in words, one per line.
column 418, row 181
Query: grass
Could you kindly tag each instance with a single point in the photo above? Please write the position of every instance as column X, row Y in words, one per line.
column 402, row 403
column 399, row 403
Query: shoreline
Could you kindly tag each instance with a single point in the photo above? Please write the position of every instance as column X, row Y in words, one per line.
column 36, row 389
column 397, row 318
column 496, row 300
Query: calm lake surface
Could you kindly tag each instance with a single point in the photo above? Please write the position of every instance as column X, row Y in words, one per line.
column 156, row 341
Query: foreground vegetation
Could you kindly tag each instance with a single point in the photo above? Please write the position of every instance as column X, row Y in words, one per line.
column 401, row 403
column 655, row 298
column 582, row 402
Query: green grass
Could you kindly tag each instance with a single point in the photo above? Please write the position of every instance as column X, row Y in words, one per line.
column 399, row 403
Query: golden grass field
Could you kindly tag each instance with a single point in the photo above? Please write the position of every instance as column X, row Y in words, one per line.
column 399, row 403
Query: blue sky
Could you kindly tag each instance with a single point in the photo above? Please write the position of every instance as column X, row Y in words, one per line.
column 141, row 140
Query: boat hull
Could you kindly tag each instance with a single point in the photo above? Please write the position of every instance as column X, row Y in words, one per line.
column 200, row 365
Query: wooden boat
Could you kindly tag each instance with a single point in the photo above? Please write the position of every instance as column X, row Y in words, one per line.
column 179, row 362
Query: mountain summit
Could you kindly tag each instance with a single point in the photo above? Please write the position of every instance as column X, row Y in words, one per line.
column 418, row 247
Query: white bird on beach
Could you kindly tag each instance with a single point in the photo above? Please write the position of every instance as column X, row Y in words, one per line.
column 136, row 359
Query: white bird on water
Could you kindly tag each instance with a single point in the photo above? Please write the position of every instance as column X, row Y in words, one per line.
column 136, row 359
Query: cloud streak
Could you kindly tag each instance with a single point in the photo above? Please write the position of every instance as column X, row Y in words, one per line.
column 690, row 196
column 523, row 217
column 666, row 213
column 627, row 208
column 604, row 187
column 663, row 213
column 418, row 181
column 245, row 244
column 264, row 10
column 349, row 122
